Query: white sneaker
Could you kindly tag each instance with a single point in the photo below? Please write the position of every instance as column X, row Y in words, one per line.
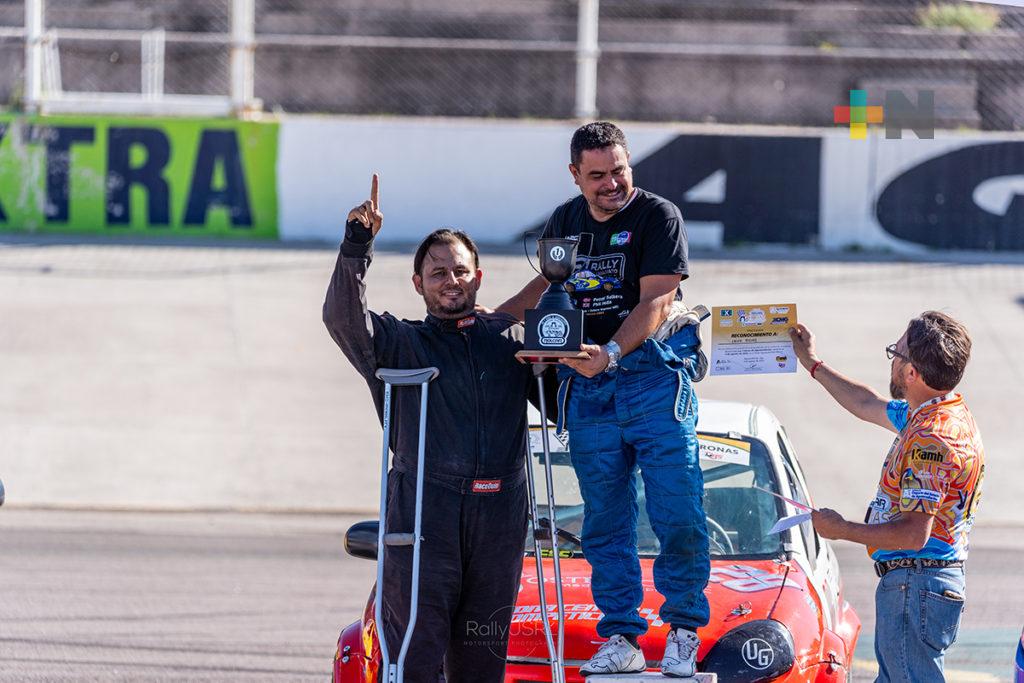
column 616, row 656
column 680, row 659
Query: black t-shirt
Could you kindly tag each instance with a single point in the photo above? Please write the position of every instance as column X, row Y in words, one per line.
column 646, row 237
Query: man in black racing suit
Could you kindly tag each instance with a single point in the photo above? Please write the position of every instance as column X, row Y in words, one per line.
column 475, row 501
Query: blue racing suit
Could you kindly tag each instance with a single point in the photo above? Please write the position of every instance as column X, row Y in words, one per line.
column 642, row 415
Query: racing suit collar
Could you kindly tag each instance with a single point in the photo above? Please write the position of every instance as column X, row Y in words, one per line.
column 451, row 324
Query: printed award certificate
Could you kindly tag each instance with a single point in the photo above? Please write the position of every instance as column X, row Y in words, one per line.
column 752, row 340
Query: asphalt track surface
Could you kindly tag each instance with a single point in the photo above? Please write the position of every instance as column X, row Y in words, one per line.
column 185, row 377
column 100, row 596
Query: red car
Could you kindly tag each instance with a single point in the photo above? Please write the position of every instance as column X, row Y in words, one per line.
column 777, row 606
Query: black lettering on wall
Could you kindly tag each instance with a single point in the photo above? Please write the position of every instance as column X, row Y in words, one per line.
column 58, row 140
column 934, row 203
column 3, row 132
column 218, row 147
column 121, row 175
column 772, row 184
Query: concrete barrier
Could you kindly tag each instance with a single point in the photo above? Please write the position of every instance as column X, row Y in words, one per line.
column 295, row 180
column 735, row 185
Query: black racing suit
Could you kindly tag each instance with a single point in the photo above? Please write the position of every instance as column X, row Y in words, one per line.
column 475, row 499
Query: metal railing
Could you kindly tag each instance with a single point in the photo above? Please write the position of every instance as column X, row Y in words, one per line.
column 118, row 62
column 730, row 61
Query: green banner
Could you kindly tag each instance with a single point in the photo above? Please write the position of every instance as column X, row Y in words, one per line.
column 112, row 175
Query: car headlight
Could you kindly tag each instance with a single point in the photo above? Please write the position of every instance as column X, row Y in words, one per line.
column 759, row 650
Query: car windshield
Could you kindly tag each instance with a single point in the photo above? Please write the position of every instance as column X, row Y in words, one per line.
column 739, row 513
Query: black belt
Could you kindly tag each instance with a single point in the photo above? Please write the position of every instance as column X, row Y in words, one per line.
column 883, row 568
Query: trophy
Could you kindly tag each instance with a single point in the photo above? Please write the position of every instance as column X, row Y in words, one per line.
column 554, row 329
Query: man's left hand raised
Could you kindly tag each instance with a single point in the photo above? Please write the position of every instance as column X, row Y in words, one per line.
column 589, row 367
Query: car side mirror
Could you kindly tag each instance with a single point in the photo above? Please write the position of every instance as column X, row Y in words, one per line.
column 361, row 539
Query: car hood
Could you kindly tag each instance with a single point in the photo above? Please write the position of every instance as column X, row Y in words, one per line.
column 738, row 592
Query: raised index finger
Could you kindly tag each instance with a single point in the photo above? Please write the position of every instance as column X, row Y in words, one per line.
column 375, row 192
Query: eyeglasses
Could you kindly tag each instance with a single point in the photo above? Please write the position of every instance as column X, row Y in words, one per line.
column 891, row 352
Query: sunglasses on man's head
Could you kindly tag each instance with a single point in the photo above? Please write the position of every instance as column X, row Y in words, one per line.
column 891, row 352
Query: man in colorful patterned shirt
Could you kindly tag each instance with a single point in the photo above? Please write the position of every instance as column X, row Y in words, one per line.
column 916, row 527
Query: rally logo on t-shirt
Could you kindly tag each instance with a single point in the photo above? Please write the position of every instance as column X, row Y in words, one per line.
column 609, row 265
column 621, row 238
column 597, row 272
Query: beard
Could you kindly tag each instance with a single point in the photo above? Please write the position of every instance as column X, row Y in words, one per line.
column 897, row 391
column 440, row 308
column 612, row 203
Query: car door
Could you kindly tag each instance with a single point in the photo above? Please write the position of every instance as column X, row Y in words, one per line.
column 825, row 564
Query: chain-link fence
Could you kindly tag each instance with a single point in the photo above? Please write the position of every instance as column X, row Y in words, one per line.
column 12, row 53
column 116, row 55
column 180, row 46
column 436, row 58
column 731, row 61
column 791, row 62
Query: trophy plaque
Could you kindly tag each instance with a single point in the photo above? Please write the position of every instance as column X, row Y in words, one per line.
column 554, row 329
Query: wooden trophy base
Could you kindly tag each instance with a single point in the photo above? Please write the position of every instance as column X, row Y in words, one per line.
column 548, row 357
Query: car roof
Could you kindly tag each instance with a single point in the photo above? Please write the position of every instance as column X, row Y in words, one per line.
column 722, row 417
column 726, row 416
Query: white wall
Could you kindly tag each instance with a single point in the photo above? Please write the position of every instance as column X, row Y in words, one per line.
column 493, row 179
column 499, row 178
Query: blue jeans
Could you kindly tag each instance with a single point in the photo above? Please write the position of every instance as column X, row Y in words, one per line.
column 917, row 616
column 645, row 415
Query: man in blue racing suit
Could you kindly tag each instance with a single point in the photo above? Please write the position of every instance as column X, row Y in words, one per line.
column 631, row 403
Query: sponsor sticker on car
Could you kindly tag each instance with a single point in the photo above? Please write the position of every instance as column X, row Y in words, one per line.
column 573, row 612
column 721, row 449
column 744, row 578
column 758, row 654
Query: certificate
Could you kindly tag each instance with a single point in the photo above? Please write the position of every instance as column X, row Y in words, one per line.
column 789, row 522
column 752, row 340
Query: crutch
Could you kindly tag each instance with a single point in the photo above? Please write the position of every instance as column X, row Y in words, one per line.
column 556, row 651
column 395, row 671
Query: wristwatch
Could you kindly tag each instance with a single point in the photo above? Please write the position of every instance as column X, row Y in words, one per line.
column 614, row 354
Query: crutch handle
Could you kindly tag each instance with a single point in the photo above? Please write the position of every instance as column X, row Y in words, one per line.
column 399, row 539
column 402, row 378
